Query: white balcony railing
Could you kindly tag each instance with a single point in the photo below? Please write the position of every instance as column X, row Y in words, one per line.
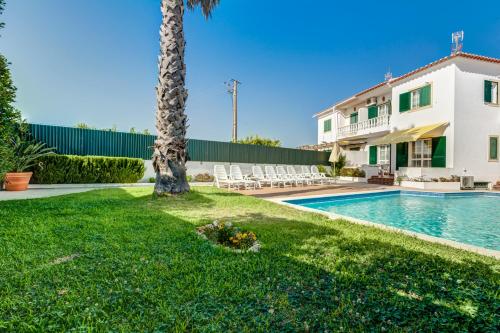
column 364, row 127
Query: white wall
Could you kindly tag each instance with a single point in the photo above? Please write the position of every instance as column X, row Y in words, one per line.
column 194, row 168
column 475, row 121
column 362, row 109
column 442, row 80
column 327, row 136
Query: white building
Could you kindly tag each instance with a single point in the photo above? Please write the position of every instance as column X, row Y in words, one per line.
column 435, row 121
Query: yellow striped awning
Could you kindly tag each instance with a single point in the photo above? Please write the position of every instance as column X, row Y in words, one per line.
column 412, row 134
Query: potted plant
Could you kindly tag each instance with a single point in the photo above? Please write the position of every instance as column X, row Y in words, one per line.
column 25, row 155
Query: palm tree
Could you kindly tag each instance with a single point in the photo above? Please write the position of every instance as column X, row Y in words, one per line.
column 169, row 156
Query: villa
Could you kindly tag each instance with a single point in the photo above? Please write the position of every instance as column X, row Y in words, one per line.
column 439, row 120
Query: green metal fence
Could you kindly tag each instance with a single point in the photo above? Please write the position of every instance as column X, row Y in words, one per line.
column 77, row 141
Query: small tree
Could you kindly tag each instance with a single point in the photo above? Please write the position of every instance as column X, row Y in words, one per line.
column 260, row 141
column 10, row 117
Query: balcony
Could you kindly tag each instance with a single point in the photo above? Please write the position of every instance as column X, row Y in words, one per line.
column 365, row 128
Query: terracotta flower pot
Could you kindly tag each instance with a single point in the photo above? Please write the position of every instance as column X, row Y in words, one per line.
column 17, row 181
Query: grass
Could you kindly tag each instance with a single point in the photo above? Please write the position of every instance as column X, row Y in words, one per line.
column 116, row 260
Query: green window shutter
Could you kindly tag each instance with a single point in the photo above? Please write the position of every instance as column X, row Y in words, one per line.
column 373, row 155
column 404, row 102
column 487, row 91
column 354, row 118
column 372, row 112
column 425, row 95
column 439, row 152
column 401, row 155
column 327, row 125
column 493, row 148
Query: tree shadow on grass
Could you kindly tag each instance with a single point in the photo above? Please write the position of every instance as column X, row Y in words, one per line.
column 143, row 268
column 331, row 279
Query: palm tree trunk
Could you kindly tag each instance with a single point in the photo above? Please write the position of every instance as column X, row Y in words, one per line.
column 169, row 157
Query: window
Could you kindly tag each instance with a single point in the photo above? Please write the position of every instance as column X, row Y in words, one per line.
column 383, row 154
column 372, row 112
column 327, row 125
column 384, row 109
column 354, row 118
column 415, row 99
column 421, row 153
column 491, row 92
column 493, row 149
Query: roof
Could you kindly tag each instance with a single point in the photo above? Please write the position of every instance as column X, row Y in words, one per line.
column 418, row 70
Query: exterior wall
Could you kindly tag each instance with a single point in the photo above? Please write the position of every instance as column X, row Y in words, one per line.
column 442, row 80
column 327, row 136
column 475, row 121
column 361, row 109
column 457, row 97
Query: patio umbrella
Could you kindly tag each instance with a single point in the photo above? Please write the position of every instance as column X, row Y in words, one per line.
column 334, row 156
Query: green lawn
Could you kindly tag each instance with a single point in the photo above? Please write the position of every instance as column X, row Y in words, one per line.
column 116, row 260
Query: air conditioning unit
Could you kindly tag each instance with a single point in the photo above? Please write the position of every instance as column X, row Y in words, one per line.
column 467, row 182
column 371, row 101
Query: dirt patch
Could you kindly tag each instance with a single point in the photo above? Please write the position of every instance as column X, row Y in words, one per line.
column 64, row 259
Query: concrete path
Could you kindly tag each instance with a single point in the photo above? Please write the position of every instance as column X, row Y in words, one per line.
column 35, row 193
column 45, row 191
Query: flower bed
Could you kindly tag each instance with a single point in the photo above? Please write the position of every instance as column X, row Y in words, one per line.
column 227, row 235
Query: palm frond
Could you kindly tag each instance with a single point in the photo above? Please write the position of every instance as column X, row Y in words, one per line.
column 207, row 6
column 26, row 153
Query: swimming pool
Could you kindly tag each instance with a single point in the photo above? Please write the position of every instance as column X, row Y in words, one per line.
column 469, row 218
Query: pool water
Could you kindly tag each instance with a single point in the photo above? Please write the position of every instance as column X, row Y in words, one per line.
column 471, row 218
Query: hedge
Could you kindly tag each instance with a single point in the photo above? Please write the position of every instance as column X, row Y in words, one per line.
column 68, row 169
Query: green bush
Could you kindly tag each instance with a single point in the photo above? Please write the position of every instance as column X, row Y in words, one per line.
column 352, row 172
column 67, row 169
column 339, row 165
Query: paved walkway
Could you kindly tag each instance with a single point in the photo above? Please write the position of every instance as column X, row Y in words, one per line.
column 35, row 193
column 45, row 191
column 300, row 191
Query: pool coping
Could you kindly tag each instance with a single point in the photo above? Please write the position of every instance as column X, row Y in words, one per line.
column 462, row 246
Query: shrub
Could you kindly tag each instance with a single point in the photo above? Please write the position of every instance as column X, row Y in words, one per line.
column 152, row 180
column 339, row 165
column 203, row 177
column 321, row 168
column 67, row 169
column 352, row 172
column 228, row 235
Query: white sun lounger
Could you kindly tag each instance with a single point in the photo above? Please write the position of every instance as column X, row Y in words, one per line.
column 273, row 177
column 221, row 178
column 259, row 176
column 315, row 172
column 236, row 175
column 298, row 177
column 280, row 171
column 306, row 172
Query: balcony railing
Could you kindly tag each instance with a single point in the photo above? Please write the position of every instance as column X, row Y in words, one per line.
column 364, row 126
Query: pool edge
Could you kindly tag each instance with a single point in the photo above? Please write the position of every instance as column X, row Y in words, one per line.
column 461, row 246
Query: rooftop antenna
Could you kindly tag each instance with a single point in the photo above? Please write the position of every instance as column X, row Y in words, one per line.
column 388, row 75
column 457, row 39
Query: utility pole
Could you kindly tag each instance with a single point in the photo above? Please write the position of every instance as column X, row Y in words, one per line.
column 232, row 88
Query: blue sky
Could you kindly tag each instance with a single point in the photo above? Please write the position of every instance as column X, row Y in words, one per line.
column 94, row 61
